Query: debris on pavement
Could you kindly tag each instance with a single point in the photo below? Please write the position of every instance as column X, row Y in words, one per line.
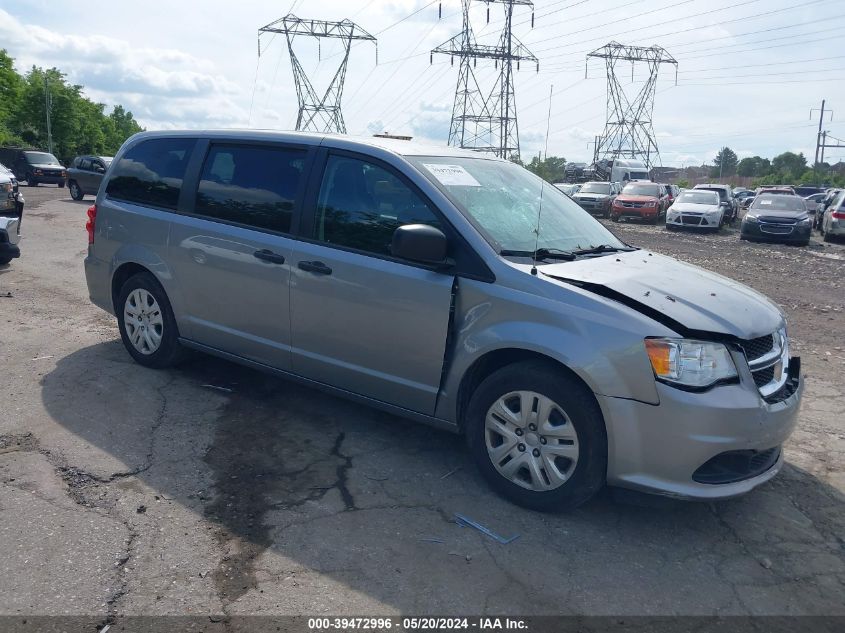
column 432, row 539
column 451, row 472
column 42, row 357
column 225, row 389
column 141, row 509
column 463, row 521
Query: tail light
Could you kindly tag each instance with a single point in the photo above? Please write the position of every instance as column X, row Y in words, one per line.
column 839, row 215
column 89, row 225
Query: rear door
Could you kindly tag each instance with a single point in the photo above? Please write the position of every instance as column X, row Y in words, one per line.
column 231, row 251
column 362, row 320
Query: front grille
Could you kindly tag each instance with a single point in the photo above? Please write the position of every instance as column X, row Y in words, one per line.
column 764, row 376
column 757, row 347
column 733, row 466
column 632, row 205
column 777, row 229
column 692, row 220
column 774, row 219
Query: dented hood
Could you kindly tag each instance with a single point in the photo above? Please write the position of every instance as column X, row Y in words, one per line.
column 690, row 300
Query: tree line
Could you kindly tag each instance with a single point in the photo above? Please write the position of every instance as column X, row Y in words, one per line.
column 788, row 168
column 78, row 125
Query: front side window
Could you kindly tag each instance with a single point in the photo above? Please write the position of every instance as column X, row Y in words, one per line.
column 84, row 164
column 361, row 204
column 251, row 185
column 151, row 172
column 504, row 201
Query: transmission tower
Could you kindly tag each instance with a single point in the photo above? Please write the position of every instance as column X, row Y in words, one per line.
column 629, row 131
column 484, row 118
column 318, row 114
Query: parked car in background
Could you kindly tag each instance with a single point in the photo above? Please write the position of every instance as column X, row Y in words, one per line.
column 596, row 198
column 726, row 199
column 829, row 197
column 782, row 190
column 746, row 201
column 8, row 172
column 832, row 222
column 85, row 175
column 570, row 189
column 814, row 203
column 640, row 200
column 574, row 172
column 742, row 196
column 805, row 190
column 358, row 265
column 11, row 214
column 672, row 192
column 33, row 166
column 696, row 209
column 777, row 218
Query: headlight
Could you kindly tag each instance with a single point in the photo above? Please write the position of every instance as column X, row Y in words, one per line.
column 750, row 218
column 6, row 187
column 38, row 172
column 805, row 221
column 689, row 363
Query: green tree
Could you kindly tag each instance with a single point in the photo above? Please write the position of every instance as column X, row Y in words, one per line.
column 724, row 164
column 10, row 93
column 753, row 166
column 789, row 165
column 550, row 169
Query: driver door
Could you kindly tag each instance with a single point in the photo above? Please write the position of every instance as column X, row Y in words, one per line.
column 362, row 320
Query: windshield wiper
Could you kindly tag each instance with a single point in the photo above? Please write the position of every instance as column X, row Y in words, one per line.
column 602, row 248
column 540, row 253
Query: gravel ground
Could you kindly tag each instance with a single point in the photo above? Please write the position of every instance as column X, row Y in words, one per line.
column 130, row 491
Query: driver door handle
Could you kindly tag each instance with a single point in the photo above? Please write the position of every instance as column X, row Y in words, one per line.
column 315, row 267
column 269, row 256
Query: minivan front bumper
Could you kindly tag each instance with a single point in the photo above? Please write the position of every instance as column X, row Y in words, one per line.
column 660, row 448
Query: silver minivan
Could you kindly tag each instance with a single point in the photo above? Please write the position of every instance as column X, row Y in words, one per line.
column 454, row 289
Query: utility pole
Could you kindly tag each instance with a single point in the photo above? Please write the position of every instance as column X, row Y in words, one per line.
column 48, row 106
column 628, row 130
column 819, row 141
column 318, row 114
column 484, row 119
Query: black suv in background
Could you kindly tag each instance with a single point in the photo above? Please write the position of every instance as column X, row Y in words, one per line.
column 34, row 166
column 85, row 175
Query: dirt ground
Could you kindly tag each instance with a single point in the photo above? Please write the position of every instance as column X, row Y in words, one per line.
column 130, row 491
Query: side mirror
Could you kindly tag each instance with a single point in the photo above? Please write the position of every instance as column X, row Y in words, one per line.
column 419, row 243
column 99, row 169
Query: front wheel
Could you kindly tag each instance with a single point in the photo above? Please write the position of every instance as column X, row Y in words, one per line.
column 5, row 260
column 146, row 322
column 75, row 191
column 537, row 435
column 62, row 185
column 32, row 182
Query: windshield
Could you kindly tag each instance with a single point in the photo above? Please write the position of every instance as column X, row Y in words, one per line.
column 699, row 197
column 639, row 175
column 723, row 193
column 641, row 189
column 596, row 187
column 503, row 200
column 41, row 158
column 774, row 202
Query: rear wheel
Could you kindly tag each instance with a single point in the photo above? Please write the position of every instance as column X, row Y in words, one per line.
column 826, row 237
column 146, row 322
column 75, row 191
column 32, row 182
column 537, row 436
column 5, row 260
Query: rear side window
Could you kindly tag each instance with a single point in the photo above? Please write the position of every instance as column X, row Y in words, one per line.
column 251, row 185
column 362, row 204
column 151, row 173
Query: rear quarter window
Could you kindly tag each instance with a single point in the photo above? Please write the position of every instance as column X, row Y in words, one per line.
column 151, row 172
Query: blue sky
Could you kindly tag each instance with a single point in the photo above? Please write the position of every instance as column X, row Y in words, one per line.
column 749, row 71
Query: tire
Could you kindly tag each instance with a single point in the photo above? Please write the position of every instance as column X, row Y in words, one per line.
column 75, row 191
column 581, row 423
column 5, row 260
column 31, row 182
column 62, row 185
column 614, row 218
column 671, row 227
column 826, row 237
column 168, row 352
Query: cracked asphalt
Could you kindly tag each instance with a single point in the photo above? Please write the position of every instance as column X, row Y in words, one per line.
column 216, row 490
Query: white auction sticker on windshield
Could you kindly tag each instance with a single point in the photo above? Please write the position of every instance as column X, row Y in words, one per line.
column 452, row 175
column 765, row 202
